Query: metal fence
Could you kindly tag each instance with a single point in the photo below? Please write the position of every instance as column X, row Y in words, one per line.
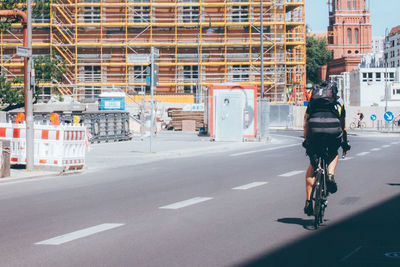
column 103, row 126
column 281, row 116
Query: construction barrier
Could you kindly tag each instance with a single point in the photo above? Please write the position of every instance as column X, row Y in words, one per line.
column 62, row 146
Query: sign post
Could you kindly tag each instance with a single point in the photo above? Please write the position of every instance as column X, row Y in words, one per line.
column 373, row 119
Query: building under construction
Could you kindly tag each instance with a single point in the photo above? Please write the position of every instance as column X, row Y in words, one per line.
column 106, row 46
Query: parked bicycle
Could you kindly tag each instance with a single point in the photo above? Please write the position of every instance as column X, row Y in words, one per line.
column 357, row 124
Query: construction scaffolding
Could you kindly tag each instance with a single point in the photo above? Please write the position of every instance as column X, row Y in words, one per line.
column 106, row 45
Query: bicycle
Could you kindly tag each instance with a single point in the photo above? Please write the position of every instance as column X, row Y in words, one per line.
column 319, row 193
column 357, row 124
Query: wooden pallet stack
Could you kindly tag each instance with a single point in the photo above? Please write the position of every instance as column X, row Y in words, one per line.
column 178, row 116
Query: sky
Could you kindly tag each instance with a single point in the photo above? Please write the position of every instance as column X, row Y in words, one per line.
column 382, row 15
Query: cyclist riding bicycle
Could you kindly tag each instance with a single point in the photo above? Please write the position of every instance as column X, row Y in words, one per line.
column 324, row 127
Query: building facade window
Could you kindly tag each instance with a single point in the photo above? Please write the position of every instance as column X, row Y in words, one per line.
column 138, row 74
column 349, row 4
column 355, row 4
column 378, row 76
column 92, row 74
column 92, row 13
column 356, row 36
column 349, row 36
column 364, row 77
column 139, row 14
column 190, row 75
column 240, row 73
column 240, row 13
column 190, row 14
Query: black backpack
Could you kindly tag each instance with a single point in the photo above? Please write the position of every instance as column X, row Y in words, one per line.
column 324, row 115
column 324, row 97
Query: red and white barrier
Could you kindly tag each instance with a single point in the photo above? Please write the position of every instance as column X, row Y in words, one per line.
column 60, row 146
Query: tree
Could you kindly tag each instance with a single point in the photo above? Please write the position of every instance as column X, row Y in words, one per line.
column 39, row 8
column 11, row 97
column 317, row 55
column 48, row 69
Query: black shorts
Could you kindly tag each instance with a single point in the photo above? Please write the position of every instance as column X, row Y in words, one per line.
column 317, row 144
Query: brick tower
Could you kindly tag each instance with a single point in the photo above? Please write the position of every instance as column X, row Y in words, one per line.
column 349, row 34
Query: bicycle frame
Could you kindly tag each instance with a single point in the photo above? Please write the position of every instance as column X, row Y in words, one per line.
column 319, row 192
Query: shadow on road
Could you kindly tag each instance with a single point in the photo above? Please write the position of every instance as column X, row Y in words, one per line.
column 370, row 238
column 394, row 184
column 307, row 224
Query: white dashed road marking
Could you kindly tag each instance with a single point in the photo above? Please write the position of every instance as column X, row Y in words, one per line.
column 363, row 153
column 248, row 186
column 186, row 203
column 351, row 254
column 79, row 234
column 376, row 149
column 385, row 146
column 262, row 150
column 347, row 158
column 292, row 173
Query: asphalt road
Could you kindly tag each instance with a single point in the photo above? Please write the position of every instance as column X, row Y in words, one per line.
column 234, row 208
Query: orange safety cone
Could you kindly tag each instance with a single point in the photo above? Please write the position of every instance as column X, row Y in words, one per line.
column 54, row 119
column 20, row 118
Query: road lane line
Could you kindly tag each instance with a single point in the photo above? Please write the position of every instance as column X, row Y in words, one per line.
column 347, row 158
column 376, row 149
column 79, row 234
column 394, row 143
column 363, row 153
column 350, row 254
column 292, row 173
column 186, row 203
column 385, row 146
column 262, row 150
column 248, row 186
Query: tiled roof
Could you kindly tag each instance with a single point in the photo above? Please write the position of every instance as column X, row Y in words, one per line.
column 395, row 30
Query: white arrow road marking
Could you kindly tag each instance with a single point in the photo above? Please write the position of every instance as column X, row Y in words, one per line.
column 79, row 234
column 248, row 186
column 363, row 153
column 385, row 146
column 262, row 150
column 186, row 203
column 376, row 149
column 292, row 173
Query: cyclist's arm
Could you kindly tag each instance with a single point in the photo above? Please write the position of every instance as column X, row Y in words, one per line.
column 306, row 116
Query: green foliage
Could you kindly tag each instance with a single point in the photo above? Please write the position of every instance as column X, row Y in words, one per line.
column 317, row 55
column 41, row 7
column 11, row 97
column 49, row 68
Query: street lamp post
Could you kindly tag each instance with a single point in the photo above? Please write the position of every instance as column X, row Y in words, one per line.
column 386, row 68
column 29, row 93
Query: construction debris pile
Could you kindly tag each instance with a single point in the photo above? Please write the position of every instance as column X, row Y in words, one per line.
column 185, row 120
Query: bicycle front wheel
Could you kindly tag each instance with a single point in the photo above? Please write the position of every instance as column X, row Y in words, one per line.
column 318, row 200
column 353, row 125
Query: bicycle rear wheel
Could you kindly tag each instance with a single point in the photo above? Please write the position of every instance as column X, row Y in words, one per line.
column 318, row 200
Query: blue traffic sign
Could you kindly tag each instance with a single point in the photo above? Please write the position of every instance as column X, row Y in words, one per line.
column 388, row 116
column 373, row 117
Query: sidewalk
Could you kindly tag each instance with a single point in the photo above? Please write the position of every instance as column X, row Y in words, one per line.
column 166, row 144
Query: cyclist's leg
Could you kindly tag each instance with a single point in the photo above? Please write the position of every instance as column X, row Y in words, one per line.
column 332, row 165
column 309, row 181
